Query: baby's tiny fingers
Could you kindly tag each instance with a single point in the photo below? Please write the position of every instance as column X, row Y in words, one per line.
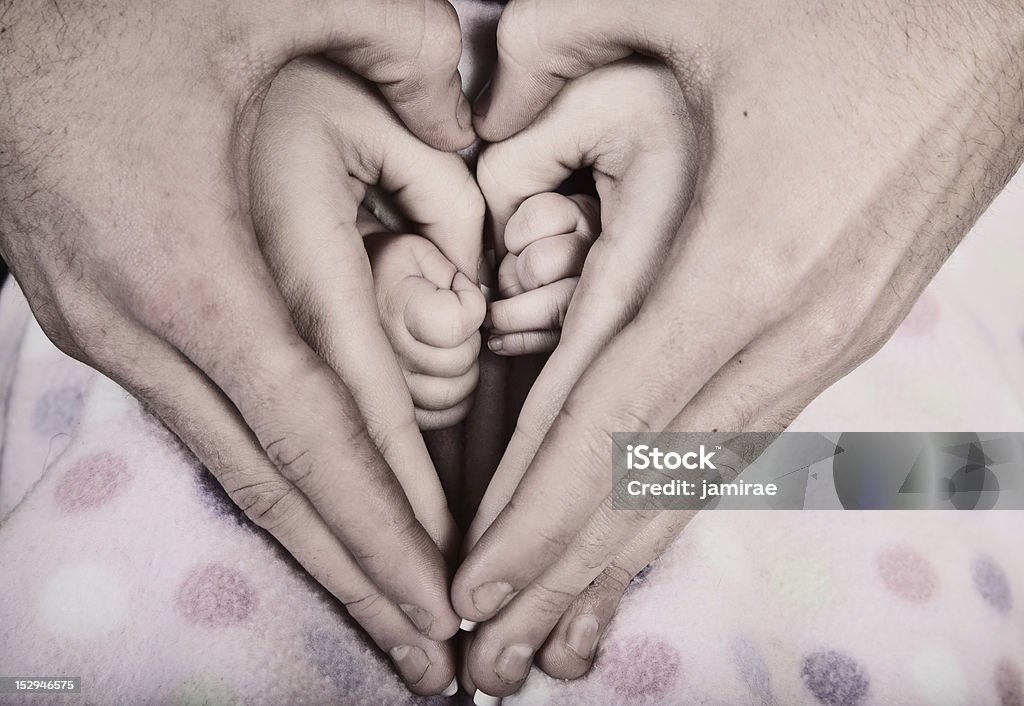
column 446, row 318
column 536, row 310
column 438, row 394
column 431, row 420
column 551, row 259
column 548, row 214
column 417, row 357
column 508, row 277
column 525, row 342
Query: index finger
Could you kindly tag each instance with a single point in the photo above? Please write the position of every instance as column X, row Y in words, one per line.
column 638, row 383
column 641, row 209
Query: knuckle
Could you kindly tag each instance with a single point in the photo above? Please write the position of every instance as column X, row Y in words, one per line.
column 835, row 335
column 291, row 455
column 539, row 212
column 84, row 330
column 614, row 579
column 532, row 268
column 271, row 503
column 366, row 609
column 550, row 601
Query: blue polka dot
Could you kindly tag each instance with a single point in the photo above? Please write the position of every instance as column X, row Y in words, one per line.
column 331, row 654
column 57, row 411
column 753, row 670
column 991, row 583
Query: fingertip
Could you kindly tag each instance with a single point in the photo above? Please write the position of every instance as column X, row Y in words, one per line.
column 569, row 651
column 445, row 627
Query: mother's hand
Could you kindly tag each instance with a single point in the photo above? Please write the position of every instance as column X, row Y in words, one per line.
column 844, row 151
column 125, row 135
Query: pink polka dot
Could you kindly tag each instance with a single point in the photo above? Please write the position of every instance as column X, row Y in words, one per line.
column 215, row 596
column 1009, row 684
column 907, row 573
column 92, row 481
column 923, row 317
column 639, row 667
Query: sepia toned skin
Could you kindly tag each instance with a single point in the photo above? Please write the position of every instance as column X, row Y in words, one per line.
column 126, row 131
column 843, row 150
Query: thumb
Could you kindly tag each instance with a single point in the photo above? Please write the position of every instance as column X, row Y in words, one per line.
column 542, row 44
column 409, row 48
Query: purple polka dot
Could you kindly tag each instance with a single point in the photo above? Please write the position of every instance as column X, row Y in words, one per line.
column 92, row 481
column 57, row 411
column 331, row 654
column 215, row 596
column 1009, row 684
column 907, row 573
column 639, row 667
column 992, row 584
column 835, row 679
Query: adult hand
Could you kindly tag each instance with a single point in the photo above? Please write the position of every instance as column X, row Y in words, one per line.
column 125, row 135
column 843, row 152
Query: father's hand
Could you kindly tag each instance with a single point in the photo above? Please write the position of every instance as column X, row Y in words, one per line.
column 844, row 150
column 125, row 132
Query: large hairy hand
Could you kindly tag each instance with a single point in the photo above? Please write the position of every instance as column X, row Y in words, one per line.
column 125, row 135
column 843, row 150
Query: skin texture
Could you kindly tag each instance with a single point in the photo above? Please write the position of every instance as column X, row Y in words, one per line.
column 127, row 136
column 547, row 238
column 432, row 314
column 835, row 173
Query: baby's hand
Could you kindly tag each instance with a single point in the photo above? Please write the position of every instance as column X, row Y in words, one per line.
column 548, row 238
column 432, row 314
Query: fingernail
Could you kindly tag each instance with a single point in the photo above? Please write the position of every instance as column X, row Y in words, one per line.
column 494, row 344
column 452, row 689
column 467, row 625
column 482, row 104
column 419, row 617
column 411, row 662
column 513, row 664
column 482, row 699
column 581, row 637
column 491, row 597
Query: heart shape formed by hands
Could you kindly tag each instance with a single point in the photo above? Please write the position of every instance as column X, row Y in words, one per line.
column 773, row 196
